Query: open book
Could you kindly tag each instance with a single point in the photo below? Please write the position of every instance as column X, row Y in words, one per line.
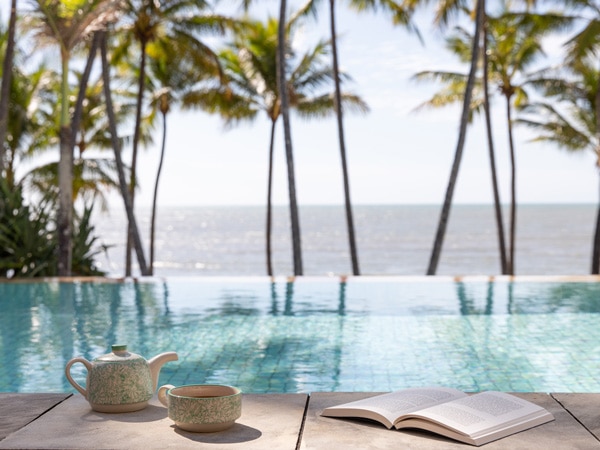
column 475, row 419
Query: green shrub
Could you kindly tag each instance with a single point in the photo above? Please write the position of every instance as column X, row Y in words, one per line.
column 28, row 240
column 84, row 245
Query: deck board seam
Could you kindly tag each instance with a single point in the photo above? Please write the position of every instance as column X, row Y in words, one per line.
column 303, row 422
column 574, row 417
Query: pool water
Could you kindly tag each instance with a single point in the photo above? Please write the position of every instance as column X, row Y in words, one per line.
column 312, row 334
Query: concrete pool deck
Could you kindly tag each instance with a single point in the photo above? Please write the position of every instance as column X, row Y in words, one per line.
column 269, row 421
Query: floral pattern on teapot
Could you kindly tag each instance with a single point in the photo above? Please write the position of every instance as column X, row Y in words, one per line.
column 117, row 383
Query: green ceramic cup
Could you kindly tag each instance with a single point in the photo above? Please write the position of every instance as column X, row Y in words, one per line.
column 202, row 408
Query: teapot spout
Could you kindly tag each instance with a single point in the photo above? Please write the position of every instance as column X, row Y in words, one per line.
column 157, row 362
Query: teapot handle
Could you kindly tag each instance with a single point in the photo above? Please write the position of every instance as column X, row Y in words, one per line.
column 162, row 394
column 74, row 383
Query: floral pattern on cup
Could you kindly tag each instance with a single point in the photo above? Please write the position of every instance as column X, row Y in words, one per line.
column 202, row 407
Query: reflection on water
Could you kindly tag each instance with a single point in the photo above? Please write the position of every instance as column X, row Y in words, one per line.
column 324, row 334
column 468, row 303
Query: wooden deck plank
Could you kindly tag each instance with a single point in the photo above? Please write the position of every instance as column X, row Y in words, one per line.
column 348, row 434
column 17, row 409
column 586, row 407
column 269, row 421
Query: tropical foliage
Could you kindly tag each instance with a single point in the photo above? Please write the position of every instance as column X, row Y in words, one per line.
column 28, row 238
column 66, row 24
column 567, row 116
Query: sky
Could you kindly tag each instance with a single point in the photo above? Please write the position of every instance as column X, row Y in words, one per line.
column 395, row 155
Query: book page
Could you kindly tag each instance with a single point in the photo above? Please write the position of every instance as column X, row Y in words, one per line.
column 386, row 408
column 483, row 413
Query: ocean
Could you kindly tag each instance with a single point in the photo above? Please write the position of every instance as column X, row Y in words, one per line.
column 391, row 240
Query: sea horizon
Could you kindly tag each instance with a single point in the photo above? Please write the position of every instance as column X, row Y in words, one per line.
column 118, row 205
column 392, row 239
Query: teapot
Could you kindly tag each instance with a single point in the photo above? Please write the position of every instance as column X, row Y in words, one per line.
column 119, row 381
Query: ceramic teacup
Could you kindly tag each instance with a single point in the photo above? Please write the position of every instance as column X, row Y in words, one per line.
column 202, row 408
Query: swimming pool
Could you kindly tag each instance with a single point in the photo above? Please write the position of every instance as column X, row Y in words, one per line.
column 312, row 334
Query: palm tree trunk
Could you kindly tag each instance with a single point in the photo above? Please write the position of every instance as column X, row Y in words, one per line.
column 137, row 242
column 445, row 214
column 340, row 124
column 71, row 136
column 7, row 79
column 155, row 195
column 285, row 112
column 269, row 201
column 488, row 121
column 65, row 202
column 85, row 77
column 596, row 246
column 134, row 153
column 513, row 191
column 65, row 179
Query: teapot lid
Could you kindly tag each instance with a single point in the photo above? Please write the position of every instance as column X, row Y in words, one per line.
column 119, row 353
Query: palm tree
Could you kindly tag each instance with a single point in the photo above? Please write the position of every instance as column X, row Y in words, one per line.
column 93, row 130
column 148, row 21
column 175, row 68
column 31, row 133
column 67, row 24
column 444, row 11
column 164, row 106
column 468, row 92
column 568, row 117
column 282, row 47
column 82, row 91
column 401, row 15
column 480, row 100
column 340, row 126
column 249, row 64
column 93, row 177
column 116, row 145
column 29, row 113
column 284, row 106
column 30, row 125
column 514, row 45
column 492, row 153
column 583, row 47
column 7, row 66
